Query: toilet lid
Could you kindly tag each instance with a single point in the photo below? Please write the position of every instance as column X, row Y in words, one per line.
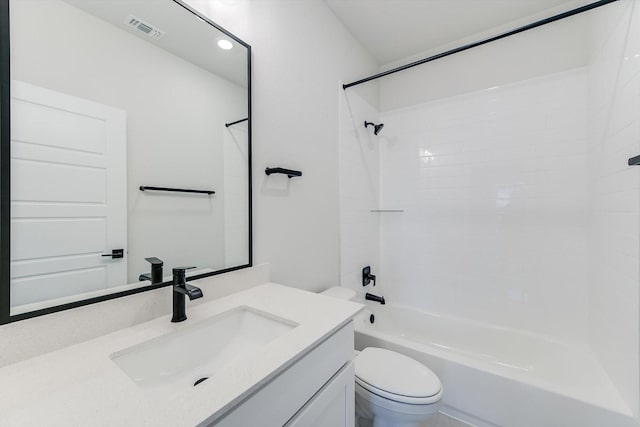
column 396, row 376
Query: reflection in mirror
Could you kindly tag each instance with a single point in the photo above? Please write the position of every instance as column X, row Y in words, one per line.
column 108, row 96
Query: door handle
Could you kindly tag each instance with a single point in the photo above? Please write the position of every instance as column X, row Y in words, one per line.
column 115, row 253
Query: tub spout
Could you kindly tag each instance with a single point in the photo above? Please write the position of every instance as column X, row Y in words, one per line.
column 376, row 298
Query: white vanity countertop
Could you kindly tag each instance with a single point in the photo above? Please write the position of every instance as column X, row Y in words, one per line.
column 80, row 385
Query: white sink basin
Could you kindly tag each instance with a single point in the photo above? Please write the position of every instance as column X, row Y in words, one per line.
column 199, row 351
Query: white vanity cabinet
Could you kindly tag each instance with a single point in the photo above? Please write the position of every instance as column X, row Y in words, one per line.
column 332, row 406
column 316, row 390
column 302, row 377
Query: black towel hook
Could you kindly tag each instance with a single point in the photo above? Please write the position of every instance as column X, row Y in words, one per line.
column 289, row 172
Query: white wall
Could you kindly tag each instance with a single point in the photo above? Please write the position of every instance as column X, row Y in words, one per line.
column 359, row 155
column 300, row 53
column 544, row 50
column 236, row 202
column 175, row 126
column 614, row 118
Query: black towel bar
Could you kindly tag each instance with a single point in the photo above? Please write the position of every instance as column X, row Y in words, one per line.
column 175, row 190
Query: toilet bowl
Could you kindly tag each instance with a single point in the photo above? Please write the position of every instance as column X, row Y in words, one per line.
column 391, row 389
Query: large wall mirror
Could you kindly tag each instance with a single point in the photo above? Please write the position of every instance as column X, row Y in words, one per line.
column 126, row 136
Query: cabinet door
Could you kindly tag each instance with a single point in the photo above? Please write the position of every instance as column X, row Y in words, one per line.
column 332, row 406
column 281, row 399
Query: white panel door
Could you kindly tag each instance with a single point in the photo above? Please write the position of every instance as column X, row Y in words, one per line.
column 68, row 195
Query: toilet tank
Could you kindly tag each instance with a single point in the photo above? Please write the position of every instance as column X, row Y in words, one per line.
column 340, row 293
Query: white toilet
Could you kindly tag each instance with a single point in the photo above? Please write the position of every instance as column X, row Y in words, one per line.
column 391, row 389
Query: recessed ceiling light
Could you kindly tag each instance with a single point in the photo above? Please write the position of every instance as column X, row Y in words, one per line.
column 225, row 44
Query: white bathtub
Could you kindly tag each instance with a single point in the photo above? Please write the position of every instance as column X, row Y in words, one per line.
column 499, row 377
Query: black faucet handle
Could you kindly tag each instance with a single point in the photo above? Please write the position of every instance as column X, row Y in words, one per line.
column 182, row 269
column 156, row 271
column 367, row 277
column 155, row 261
column 179, row 275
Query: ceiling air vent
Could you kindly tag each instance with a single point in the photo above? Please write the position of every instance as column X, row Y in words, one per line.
column 145, row 27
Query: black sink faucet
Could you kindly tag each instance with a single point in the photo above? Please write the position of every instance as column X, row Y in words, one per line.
column 156, row 271
column 376, row 298
column 180, row 289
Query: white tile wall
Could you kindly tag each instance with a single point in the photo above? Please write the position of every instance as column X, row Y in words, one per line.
column 494, row 185
column 614, row 117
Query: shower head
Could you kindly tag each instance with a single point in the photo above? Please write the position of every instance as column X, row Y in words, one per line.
column 376, row 128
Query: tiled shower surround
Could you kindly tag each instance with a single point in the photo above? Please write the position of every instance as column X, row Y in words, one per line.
column 614, row 134
column 495, row 192
column 519, row 209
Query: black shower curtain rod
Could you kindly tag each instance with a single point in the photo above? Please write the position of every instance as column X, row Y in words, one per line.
column 536, row 24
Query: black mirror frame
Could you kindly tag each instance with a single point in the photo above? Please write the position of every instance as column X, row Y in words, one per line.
column 5, row 180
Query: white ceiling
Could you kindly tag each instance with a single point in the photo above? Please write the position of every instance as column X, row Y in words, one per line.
column 395, row 29
column 186, row 35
